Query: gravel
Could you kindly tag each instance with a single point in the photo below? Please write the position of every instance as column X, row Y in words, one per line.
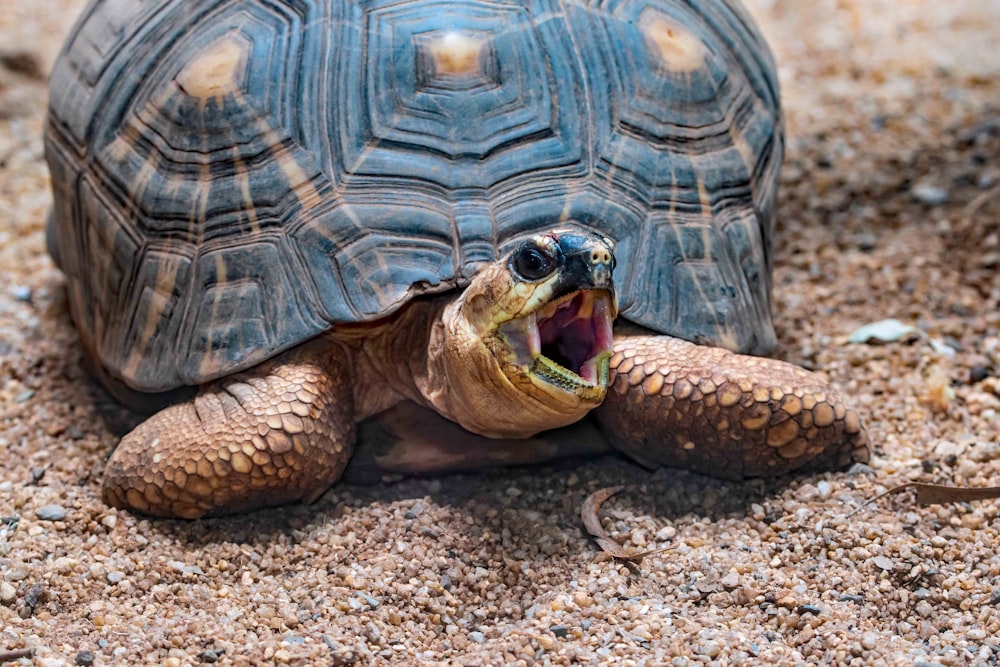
column 51, row 513
column 889, row 209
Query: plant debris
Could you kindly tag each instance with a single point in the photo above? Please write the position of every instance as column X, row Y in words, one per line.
column 590, row 513
column 937, row 494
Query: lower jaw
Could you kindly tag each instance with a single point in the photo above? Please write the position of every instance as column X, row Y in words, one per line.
column 554, row 374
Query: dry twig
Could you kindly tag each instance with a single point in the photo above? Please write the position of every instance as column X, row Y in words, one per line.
column 936, row 494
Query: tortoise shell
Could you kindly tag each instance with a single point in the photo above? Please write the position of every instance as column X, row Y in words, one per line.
column 233, row 177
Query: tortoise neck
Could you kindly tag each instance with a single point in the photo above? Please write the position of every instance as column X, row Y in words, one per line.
column 392, row 359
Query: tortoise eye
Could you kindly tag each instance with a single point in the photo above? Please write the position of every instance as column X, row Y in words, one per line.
column 532, row 262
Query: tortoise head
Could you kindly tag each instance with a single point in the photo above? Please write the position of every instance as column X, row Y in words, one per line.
column 526, row 347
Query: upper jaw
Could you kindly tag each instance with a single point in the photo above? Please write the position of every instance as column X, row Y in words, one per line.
column 567, row 342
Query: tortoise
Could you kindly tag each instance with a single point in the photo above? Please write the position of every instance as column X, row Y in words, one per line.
column 280, row 218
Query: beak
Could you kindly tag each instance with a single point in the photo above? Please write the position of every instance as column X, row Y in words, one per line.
column 588, row 264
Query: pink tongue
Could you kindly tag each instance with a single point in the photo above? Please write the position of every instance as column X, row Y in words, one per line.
column 571, row 338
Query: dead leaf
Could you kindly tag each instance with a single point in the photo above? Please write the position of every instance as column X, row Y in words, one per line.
column 590, row 513
column 937, row 494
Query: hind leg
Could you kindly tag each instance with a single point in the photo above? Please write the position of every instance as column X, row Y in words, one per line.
column 677, row 404
column 280, row 432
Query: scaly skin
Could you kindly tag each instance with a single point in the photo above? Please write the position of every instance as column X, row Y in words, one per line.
column 678, row 404
column 280, row 432
column 285, row 430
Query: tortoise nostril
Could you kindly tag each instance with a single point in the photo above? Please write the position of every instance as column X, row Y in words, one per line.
column 600, row 257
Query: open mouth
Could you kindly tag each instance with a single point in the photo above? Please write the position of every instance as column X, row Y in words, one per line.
column 567, row 342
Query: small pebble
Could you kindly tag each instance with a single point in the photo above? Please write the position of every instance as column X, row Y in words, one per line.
column 976, row 634
column 368, row 599
column 883, row 563
column 866, row 241
column 978, row 373
column 7, row 592
column 929, row 193
column 51, row 513
column 21, row 293
column 731, row 580
column 34, row 595
column 559, row 630
column 84, row 658
column 857, row 469
column 477, row 636
column 184, row 568
column 17, row 574
column 115, row 577
column 710, row 649
column 787, row 602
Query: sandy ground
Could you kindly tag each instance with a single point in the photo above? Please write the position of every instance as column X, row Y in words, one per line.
column 890, row 208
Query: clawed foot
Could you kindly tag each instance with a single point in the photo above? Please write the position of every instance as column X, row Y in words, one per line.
column 281, row 432
column 677, row 404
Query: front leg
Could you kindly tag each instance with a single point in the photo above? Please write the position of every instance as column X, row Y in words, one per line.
column 279, row 432
column 734, row 416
